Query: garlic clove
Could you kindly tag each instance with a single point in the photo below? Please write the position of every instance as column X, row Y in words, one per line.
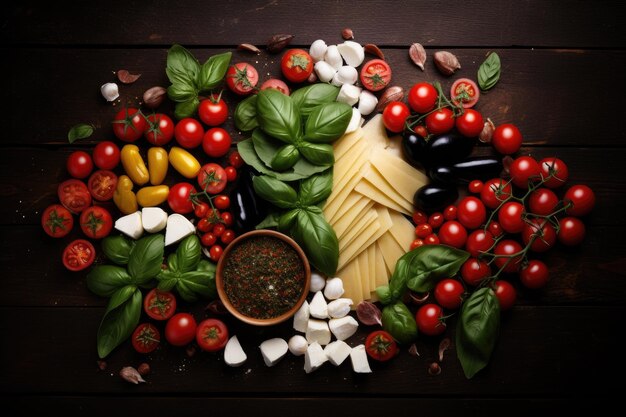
column 318, row 282
column 367, row 102
column 352, row 52
column 325, row 72
column 355, row 122
column 349, row 94
column 131, row 375
column 333, row 57
column 110, row 91
column 339, row 308
column 297, row 345
column 318, row 50
column 334, row 288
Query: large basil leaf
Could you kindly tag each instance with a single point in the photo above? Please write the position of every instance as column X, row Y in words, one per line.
column 188, row 254
column 384, row 294
column 287, row 220
column 265, row 147
column 278, row 116
column 307, row 98
column 167, row 280
column 426, row 265
column 285, row 158
column 270, row 221
column 104, row 280
column 182, row 66
column 275, row 191
column 317, row 238
column 489, row 72
column 117, row 248
column 477, row 330
column 186, row 108
column 316, row 188
column 399, row 322
column 213, row 71
column 80, row 131
column 245, row 114
column 194, row 283
column 397, row 283
column 327, row 122
column 318, row 153
column 181, row 92
column 120, row 319
column 146, row 258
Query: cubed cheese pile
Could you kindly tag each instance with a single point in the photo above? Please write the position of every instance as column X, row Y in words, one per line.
column 153, row 220
column 373, row 186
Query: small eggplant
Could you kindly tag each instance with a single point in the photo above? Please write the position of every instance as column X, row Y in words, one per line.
column 435, row 197
column 477, row 168
column 448, row 148
column 414, row 148
column 248, row 210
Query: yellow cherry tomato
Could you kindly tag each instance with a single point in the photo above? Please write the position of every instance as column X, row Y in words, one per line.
column 133, row 164
column 152, row 196
column 184, row 162
column 157, row 165
column 124, row 197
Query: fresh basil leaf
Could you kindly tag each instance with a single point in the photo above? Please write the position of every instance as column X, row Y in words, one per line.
column 186, row 108
column 277, row 116
column 399, row 322
column 316, row 188
column 489, row 72
column 181, row 93
column 265, row 147
column 384, row 294
column 327, row 122
column 188, row 254
column 120, row 319
column 287, row 220
column 182, row 66
column 477, row 330
column 213, row 71
column 172, row 263
column 269, row 222
column 318, row 153
column 245, row 114
column 206, row 266
column 194, row 283
column 146, row 258
column 426, row 265
column 80, row 131
column 275, row 191
column 117, row 248
column 317, row 238
column 307, row 98
column 165, row 283
column 104, row 280
column 285, row 158
column 398, row 281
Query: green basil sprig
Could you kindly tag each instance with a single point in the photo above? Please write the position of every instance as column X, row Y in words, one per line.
column 399, row 322
column 189, row 78
column 117, row 249
column 477, row 330
column 80, row 131
column 307, row 98
column 245, row 114
column 489, row 72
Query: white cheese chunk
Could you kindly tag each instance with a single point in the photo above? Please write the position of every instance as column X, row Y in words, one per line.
column 334, row 288
column 318, row 307
column 318, row 331
column 349, row 94
column 333, row 57
column 358, row 357
column 352, row 52
column 314, row 357
column 130, row 225
column 301, row 318
column 178, row 228
column 298, row 345
column 367, row 102
column 345, row 75
column 339, row 308
column 318, row 50
column 325, row 72
column 317, row 282
column 344, row 327
column 273, row 350
column 153, row 219
column 337, row 352
column 233, row 353
column 355, row 121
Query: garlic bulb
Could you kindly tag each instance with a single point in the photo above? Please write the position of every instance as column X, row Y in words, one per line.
column 110, row 91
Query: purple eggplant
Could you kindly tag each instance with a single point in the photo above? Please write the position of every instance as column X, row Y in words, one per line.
column 435, row 197
column 476, row 168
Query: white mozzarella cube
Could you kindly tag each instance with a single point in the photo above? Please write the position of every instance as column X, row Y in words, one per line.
column 273, row 350
column 318, row 307
column 349, row 94
column 325, row 72
column 337, row 352
column 333, row 57
column 318, row 331
column 318, row 50
column 314, row 357
column 367, row 102
column 130, row 225
column 298, row 345
column 358, row 357
column 301, row 318
column 344, row 327
column 178, row 228
column 352, row 52
column 153, row 219
column 233, row 353
column 339, row 308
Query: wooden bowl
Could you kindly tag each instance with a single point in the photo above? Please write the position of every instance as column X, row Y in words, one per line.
column 219, row 278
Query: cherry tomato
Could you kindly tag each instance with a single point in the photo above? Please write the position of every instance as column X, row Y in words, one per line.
column 555, row 169
column 241, row 78
column 473, row 271
column 160, row 129
column 494, row 192
column 421, row 131
column 466, row 93
column 159, row 305
column 440, row 121
column 234, row 158
column 227, row 237
column 208, row 239
column 506, row 139
column 212, row 178
column 215, row 253
column 450, row 213
column 470, row 123
column 453, row 233
column 200, row 210
column 212, row 335
column 422, row 97
column 542, row 201
column 218, row 229
column 231, row 173
column 581, row 198
column 524, row 170
column 180, row 329
column 79, row 164
column 419, row 217
column 394, row 116
column 145, row 338
column 179, row 198
column 129, row 124
column 78, row 255
column 216, row 142
column 507, row 248
column 423, row 230
column 380, row 346
column 375, row 75
column 106, row 155
column 475, row 187
column 296, row 65
column 534, row 275
column 96, row 222
column 471, row 212
column 57, row 221
column 416, row 244
column 431, row 239
column 430, row 320
column 546, row 235
column 479, row 241
column 506, row 294
column 213, row 111
column 495, row 229
column 102, row 185
column 205, row 225
column 435, row 220
column 449, row 293
column 571, row 231
column 275, row 84
column 189, row 132
column 74, row 195
column 511, row 218
column 221, row 202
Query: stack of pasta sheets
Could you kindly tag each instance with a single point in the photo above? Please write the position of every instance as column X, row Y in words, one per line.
column 373, row 188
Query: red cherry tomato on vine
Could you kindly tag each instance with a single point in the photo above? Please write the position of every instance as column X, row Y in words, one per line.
column 79, row 164
column 422, row 97
column 495, row 229
column 394, row 116
column 494, row 192
column 215, row 253
column 449, row 293
column 208, row 239
column 466, row 93
column 471, row 212
column 511, row 217
column 160, row 129
column 479, row 241
column 212, row 178
column 546, row 235
column 227, row 218
column 180, row 329
column 450, row 213
column 571, row 231
column 452, row 233
column 129, row 124
column 473, row 271
column 216, row 142
column 507, row 248
column 241, row 78
column 470, row 123
column 375, row 75
column 542, row 201
column 506, row 294
column 430, row 320
column 431, row 239
column 201, row 210
column 435, row 220
column 507, row 139
column 231, row 173
column 475, row 187
column 423, row 230
column 179, row 198
column 556, row 169
column 189, row 133
column 296, row 65
column 582, row 199
column 227, row 237
column 524, row 170
column 440, row 121
column 205, row 225
column 534, row 275
column 221, row 202
column 234, row 158
column 106, row 155
column 213, row 111
column 419, row 217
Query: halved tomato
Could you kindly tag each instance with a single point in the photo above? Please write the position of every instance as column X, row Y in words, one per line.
column 146, row 338
column 465, row 92
column 102, row 185
column 375, row 75
column 74, row 195
column 78, row 255
column 159, row 305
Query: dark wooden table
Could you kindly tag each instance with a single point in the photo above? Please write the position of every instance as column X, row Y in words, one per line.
column 562, row 84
